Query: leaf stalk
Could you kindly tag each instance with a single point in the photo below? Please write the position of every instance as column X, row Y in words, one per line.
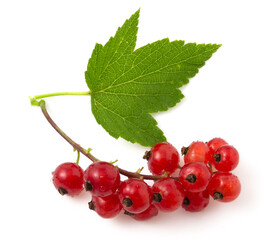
column 60, row 94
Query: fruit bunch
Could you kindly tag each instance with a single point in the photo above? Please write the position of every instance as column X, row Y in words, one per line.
column 206, row 172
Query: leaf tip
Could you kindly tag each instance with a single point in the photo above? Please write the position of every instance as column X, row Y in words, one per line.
column 216, row 46
column 136, row 14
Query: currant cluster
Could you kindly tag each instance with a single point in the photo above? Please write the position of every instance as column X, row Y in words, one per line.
column 206, row 172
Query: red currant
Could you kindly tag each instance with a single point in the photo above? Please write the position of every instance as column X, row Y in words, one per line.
column 195, row 176
column 106, row 207
column 102, row 179
column 168, row 194
column 68, row 179
column 195, row 201
column 196, row 152
column 215, row 143
column 162, row 158
column 135, row 195
column 152, row 211
column 224, row 187
column 225, row 159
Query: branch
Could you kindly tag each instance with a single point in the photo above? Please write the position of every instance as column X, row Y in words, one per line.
column 86, row 153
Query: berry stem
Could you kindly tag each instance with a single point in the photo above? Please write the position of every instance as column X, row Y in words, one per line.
column 78, row 157
column 87, row 153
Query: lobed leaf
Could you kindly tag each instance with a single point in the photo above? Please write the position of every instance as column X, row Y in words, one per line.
column 127, row 85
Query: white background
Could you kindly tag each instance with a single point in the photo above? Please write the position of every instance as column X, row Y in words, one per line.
column 45, row 47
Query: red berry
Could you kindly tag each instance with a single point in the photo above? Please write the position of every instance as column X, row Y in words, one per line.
column 152, row 211
column 225, row 159
column 68, row 179
column 195, row 201
column 215, row 143
column 102, row 179
column 196, row 152
column 224, row 187
column 195, row 176
column 168, row 194
column 135, row 195
column 106, row 207
column 163, row 158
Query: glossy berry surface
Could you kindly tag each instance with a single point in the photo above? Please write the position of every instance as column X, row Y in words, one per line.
column 196, row 152
column 168, row 194
column 106, row 207
column 151, row 212
column 68, row 179
column 195, row 201
column 163, row 158
column 225, row 158
column 102, row 179
column 195, row 176
column 224, row 187
column 135, row 195
column 215, row 143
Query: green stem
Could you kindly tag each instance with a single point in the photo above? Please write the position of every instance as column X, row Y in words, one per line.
column 78, row 157
column 61, row 94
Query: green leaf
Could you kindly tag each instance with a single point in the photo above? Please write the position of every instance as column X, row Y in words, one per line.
column 127, row 85
column 122, row 44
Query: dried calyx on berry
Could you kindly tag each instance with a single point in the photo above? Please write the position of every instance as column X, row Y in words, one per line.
column 128, row 213
column 62, row 191
column 147, row 155
column 218, row 196
column 157, row 197
column 191, row 178
column 127, row 202
column 186, row 202
column 91, row 205
column 88, row 186
column 184, row 150
column 217, row 157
